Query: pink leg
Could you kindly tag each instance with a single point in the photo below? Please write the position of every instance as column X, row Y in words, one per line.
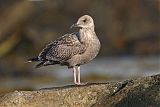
column 79, row 75
column 74, row 74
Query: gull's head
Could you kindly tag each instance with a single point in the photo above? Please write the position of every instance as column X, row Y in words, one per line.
column 84, row 21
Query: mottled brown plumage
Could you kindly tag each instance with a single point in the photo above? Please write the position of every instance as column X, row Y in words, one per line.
column 72, row 49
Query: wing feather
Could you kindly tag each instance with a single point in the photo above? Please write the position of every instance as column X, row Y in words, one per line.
column 63, row 48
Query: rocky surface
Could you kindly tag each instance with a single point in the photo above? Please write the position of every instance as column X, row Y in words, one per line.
column 140, row 92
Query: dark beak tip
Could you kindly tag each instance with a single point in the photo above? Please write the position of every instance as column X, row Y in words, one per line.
column 74, row 25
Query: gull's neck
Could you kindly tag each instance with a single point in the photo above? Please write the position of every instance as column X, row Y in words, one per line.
column 87, row 34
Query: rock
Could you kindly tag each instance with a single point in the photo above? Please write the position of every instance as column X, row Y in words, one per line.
column 141, row 92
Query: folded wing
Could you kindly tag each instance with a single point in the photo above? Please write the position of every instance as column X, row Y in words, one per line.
column 62, row 49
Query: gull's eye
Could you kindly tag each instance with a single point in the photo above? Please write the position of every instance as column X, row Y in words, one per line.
column 84, row 20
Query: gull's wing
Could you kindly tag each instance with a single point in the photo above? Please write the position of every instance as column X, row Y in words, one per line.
column 62, row 49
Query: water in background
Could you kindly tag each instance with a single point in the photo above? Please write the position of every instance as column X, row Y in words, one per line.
column 99, row 70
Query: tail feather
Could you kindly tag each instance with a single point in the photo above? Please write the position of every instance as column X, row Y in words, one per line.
column 42, row 62
column 45, row 63
column 34, row 59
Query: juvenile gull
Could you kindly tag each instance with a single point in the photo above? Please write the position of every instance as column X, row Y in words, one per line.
column 73, row 49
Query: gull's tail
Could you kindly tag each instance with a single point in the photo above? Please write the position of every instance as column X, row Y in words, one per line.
column 42, row 62
column 34, row 59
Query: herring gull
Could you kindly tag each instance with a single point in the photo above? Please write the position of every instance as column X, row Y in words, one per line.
column 73, row 49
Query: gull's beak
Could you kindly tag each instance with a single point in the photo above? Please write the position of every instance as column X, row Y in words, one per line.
column 74, row 25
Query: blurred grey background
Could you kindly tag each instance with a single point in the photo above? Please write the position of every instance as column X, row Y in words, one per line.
column 129, row 31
